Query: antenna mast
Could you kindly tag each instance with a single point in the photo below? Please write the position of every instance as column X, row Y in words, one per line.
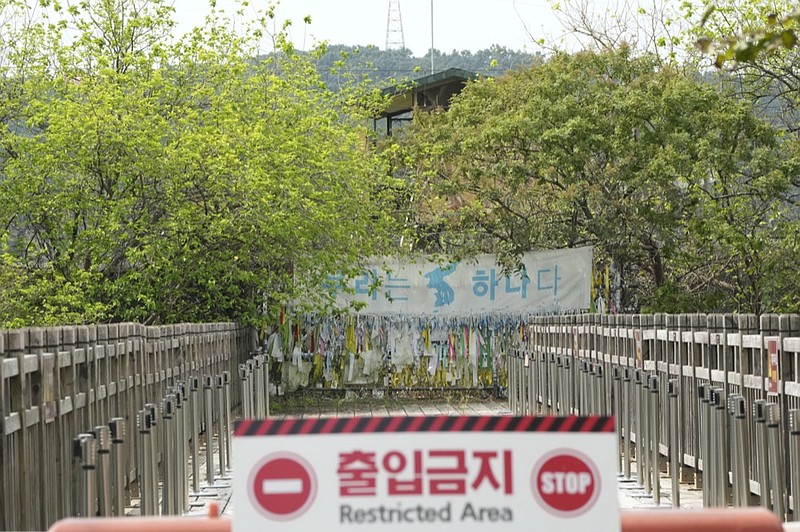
column 394, row 27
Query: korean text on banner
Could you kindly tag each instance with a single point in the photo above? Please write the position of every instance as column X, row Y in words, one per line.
column 550, row 281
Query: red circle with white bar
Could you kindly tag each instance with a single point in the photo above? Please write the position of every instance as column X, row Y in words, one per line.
column 565, row 483
column 282, row 486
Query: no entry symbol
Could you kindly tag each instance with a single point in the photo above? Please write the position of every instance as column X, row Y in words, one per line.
column 282, row 486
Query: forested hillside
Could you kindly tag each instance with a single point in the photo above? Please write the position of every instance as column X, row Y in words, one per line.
column 339, row 64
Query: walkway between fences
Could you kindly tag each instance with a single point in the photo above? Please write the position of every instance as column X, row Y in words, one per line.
column 121, row 414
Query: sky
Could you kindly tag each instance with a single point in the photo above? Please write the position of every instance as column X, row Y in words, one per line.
column 457, row 24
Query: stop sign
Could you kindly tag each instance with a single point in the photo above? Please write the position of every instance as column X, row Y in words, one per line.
column 565, row 483
column 282, row 486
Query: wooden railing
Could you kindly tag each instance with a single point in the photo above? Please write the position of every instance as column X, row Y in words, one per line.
column 58, row 382
column 713, row 399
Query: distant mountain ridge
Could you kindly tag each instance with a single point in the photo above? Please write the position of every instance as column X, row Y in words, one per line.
column 340, row 63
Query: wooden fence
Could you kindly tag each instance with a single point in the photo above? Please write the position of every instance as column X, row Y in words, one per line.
column 58, row 382
column 578, row 364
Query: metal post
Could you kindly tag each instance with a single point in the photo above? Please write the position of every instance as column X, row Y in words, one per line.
column 512, row 406
column 580, row 399
column 539, row 385
column 572, row 389
column 559, row 378
column 525, row 378
column 647, row 455
column 251, row 384
column 674, row 441
column 794, row 461
column 246, row 414
column 704, row 428
column 570, row 386
column 762, row 455
column 181, row 479
column 143, row 461
column 710, row 474
column 552, row 377
column 432, row 70
column 740, row 468
column 152, row 411
column 637, row 390
column 117, row 429
column 259, row 402
column 522, row 404
column 721, row 462
column 84, row 451
column 265, row 392
column 572, row 383
column 776, row 458
column 556, row 368
column 523, row 383
column 616, row 375
column 531, row 400
column 188, row 414
column 741, row 416
column 591, row 396
column 600, row 389
column 626, row 419
column 511, row 396
column 220, row 425
column 655, row 420
column 208, row 391
column 735, row 449
column 168, row 455
column 194, row 430
column 103, row 438
column 588, row 389
column 226, row 394
column 518, row 383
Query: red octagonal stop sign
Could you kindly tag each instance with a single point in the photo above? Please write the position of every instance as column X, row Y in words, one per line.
column 282, row 486
column 565, row 483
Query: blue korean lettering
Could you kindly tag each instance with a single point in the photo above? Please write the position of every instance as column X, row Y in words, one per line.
column 395, row 284
column 365, row 284
column 547, row 279
column 333, row 284
column 523, row 288
column 484, row 283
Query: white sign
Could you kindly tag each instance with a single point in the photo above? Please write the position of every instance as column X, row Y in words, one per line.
column 552, row 281
column 403, row 474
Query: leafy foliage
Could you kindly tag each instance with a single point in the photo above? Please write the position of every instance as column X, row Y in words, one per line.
column 680, row 188
column 158, row 181
column 754, row 42
column 774, row 32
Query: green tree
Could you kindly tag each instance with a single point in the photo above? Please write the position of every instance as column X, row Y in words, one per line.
column 162, row 181
column 677, row 185
column 746, row 32
column 754, row 41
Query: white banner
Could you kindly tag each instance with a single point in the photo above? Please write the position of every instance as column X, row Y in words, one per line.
column 552, row 281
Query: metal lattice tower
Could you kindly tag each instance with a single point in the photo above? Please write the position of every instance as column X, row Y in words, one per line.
column 394, row 27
